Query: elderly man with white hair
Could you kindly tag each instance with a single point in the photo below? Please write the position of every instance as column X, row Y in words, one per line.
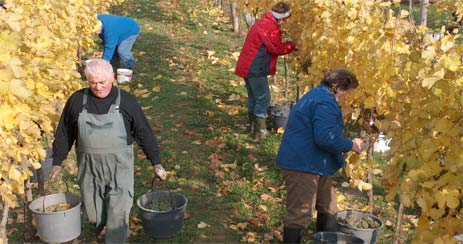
column 103, row 121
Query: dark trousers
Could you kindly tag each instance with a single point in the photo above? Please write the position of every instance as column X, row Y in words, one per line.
column 306, row 193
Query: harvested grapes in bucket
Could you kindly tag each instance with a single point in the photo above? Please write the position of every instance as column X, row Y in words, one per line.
column 364, row 222
column 162, row 205
column 56, row 208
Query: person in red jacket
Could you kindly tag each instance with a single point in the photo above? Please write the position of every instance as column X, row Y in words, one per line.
column 258, row 59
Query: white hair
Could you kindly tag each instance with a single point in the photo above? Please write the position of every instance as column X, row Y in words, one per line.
column 98, row 67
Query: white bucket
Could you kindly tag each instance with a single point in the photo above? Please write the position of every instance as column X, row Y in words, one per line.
column 382, row 144
column 459, row 238
column 124, row 75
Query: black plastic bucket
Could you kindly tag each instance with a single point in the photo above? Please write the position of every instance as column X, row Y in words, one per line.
column 335, row 238
column 279, row 115
column 162, row 223
column 368, row 235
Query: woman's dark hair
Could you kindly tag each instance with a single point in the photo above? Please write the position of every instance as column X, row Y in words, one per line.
column 281, row 7
column 341, row 79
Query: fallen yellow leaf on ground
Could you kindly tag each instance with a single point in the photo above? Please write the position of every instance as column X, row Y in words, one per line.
column 202, row 225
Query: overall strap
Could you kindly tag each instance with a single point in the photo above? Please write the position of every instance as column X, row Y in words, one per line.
column 84, row 103
column 115, row 107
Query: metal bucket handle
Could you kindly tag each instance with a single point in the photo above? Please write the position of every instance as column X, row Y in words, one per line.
column 156, row 178
column 171, row 198
column 45, row 195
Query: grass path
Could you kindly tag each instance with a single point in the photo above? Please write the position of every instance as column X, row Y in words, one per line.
column 172, row 56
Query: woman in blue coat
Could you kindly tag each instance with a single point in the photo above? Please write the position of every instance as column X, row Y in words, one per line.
column 311, row 151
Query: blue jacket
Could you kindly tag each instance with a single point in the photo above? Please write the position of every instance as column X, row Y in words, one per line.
column 313, row 140
column 115, row 30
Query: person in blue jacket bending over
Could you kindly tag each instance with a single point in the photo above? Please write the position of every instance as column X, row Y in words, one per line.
column 311, row 150
column 118, row 33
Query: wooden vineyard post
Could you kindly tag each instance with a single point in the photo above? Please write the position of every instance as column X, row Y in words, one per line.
column 410, row 11
column 40, row 175
column 370, row 192
column 222, row 5
column 28, row 214
column 286, row 75
column 234, row 18
column 370, row 174
column 250, row 19
column 40, row 181
column 398, row 226
column 3, row 237
column 424, row 12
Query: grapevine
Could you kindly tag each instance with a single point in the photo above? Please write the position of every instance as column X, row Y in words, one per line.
column 409, row 78
column 38, row 58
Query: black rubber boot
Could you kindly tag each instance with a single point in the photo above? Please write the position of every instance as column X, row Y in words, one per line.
column 261, row 129
column 292, row 235
column 326, row 222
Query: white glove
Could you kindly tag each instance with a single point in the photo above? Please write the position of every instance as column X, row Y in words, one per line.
column 160, row 171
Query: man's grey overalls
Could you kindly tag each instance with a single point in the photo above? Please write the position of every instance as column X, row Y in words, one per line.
column 105, row 176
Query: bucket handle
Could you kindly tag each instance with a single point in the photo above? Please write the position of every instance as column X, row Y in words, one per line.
column 45, row 195
column 171, row 198
column 156, row 178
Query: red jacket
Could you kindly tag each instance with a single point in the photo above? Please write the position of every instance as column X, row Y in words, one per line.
column 261, row 49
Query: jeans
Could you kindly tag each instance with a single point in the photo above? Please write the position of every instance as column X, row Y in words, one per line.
column 124, row 52
column 258, row 96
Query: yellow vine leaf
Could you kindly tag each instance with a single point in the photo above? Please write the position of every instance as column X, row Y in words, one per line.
column 436, row 213
column 4, row 87
column 428, row 82
column 18, row 88
column 452, row 198
column 14, row 23
column 361, row 185
column 429, row 53
column 446, row 45
column 15, row 174
column 406, row 200
column 9, row 199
